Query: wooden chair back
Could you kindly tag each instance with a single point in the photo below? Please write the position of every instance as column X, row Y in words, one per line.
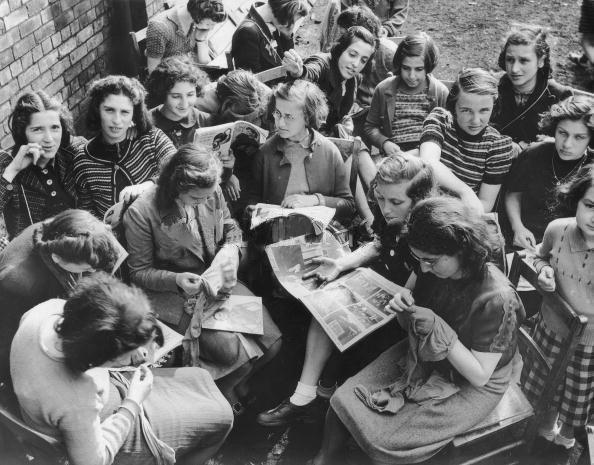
column 138, row 47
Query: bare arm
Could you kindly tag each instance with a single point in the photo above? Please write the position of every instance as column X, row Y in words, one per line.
column 476, row 367
column 488, row 195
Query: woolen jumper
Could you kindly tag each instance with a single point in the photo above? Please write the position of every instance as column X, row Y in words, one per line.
column 169, row 34
column 181, row 132
column 484, row 158
column 102, row 170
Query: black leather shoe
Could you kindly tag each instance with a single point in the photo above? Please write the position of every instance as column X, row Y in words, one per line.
column 286, row 413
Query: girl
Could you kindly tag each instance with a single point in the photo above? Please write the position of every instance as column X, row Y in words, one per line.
column 174, row 86
column 467, row 154
column 337, row 73
column 468, row 312
column 565, row 262
column 37, row 181
column 525, row 90
column 543, row 166
column 401, row 103
column 112, row 166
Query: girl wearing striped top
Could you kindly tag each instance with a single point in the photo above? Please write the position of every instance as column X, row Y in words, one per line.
column 469, row 156
column 401, row 103
column 113, row 166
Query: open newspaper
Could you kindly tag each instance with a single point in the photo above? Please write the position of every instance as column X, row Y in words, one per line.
column 220, row 138
column 349, row 308
column 240, row 313
column 319, row 215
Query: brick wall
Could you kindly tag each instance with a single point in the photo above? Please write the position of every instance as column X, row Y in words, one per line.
column 57, row 45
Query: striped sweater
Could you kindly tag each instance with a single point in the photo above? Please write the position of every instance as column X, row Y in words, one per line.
column 409, row 113
column 101, row 171
column 485, row 158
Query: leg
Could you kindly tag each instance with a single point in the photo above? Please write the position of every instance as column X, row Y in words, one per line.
column 333, row 443
column 317, row 352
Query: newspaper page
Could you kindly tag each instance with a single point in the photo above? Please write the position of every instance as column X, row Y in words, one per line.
column 219, row 138
column 240, row 313
column 320, row 215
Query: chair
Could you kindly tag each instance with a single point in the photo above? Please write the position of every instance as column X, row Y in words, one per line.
column 494, row 436
column 138, row 46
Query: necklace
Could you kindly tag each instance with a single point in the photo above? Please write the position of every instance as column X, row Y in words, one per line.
column 559, row 180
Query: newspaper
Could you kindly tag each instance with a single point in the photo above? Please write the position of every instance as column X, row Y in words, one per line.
column 320, row 216
column 349, row 308
column 220, row 138
column 240, row 313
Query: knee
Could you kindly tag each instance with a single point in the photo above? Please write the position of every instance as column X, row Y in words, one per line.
column 220, row 347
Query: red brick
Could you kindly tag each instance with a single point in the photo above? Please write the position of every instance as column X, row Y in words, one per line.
column 44, row 31
column 27, row 27
column 47, row 15
column 16, row 68
column 27, row 60
column 78, row 53
column 81, row 7
column 65, row 33
column 59, row 68
column 75, row 26
column 9, row 90
column 67, row 47
column 5, row 76
column 85, row 34
column 44, row 80
column 63, row 20
column 35, row 6
column 89, row 59
column 15, row 18
column 67, row 4
column 56, row 86
column 28, row 75
column 72, row 72
column 23, row 46
column 37, row 53
column 48, row 60
column 14, row 4
column 56, row 40
column 47, row 46
column 4, row 9
column 95, row 41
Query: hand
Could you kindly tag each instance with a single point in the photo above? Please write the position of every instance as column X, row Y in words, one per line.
column 524, row 238
column 544, row 138
column 328, row 270
column 131, row 132
column 27, row 154
column 229, row 273
column 191, row 283
column 130, row 193
column 391, row 149
column 300, row 200
column 383, row 32
column 546, row 279
column 293, row 63
column 423, row 320
column 402, row 302
column 232, row 189
column 140, row 384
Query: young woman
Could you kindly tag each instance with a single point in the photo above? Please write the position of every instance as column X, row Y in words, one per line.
column 565, row 263
column 543, row 166
column 181, row 238
column 298, row 167
column 337, row 73
column 466, row 153
column 60, row 361
column 401, row 103
column 172, row 89
column 123, row 159
column 37, row 181
column 262, row 38
column 467, row 313
column 399, row 184
column 525, row 90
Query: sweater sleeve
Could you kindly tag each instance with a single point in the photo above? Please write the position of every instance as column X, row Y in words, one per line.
column 543, row 254
column 313, row 68
column 434, row 126
column 499, row 160
column 84, row 196
column 245, row 48
column 373, row 123
column 156, row 33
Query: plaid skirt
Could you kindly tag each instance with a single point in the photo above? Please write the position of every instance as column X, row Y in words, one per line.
column 573, row 397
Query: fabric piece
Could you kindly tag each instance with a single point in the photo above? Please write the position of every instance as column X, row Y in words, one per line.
column 295, row 153
column 409, row 113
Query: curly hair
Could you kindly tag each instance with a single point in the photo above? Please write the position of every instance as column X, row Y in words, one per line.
column 417, row 45
column 118, row 85
column 242, row 96
column 574, row 108
column 78, row 237
column 287, row 12
column 168, row 73
column 360, row 15
column 207, row 9
column 35, row 102
column 529, row 35
column 190, row 167
column 399, row 168
column 472, row 81
column 351, row 35
column 445, row 226
column 569, row 194
column 308, row 95
column 104, row 318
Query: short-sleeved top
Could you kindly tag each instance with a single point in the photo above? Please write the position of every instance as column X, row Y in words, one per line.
column 484, row 158
column 168, row 35
column 181, row 132
column 484, row 310
column 532, row 176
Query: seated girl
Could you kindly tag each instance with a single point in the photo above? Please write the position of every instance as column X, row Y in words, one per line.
column 337, row 73
column 525, row 90
column 172, row 90
column 60, row 361
column 468, row 314
column 181, row 238
column 298, row 167
column 36, row 181
column 401, row 103
column 124, row 158
column 543, row 166
column 468, row 156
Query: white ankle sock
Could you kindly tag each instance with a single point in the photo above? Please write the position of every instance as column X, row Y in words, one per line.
column 561, row 440
column 303, row 395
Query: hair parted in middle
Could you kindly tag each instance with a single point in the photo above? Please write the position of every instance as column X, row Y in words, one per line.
column 529, row 35
column 472, row 81
column 307, row 96
column 351, row 35
column 419, row 44
column 287, row 12
column 190, row 167
column 574, row 108
column 118, row 85
column 207, row 9
column 445, row 226
column 359, row 15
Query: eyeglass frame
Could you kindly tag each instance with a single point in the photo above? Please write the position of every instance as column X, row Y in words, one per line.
column 287, row 116
column 430, row 262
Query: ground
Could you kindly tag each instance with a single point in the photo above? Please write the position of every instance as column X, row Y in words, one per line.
column 469, row 34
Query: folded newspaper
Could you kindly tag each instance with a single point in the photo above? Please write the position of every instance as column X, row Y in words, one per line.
column 348, row 308
column 320, row 216
column 219, row 138
column 240, row 313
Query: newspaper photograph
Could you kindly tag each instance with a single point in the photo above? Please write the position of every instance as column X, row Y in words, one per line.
column 240, row 313
column 220, row 138
column 319, row 215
